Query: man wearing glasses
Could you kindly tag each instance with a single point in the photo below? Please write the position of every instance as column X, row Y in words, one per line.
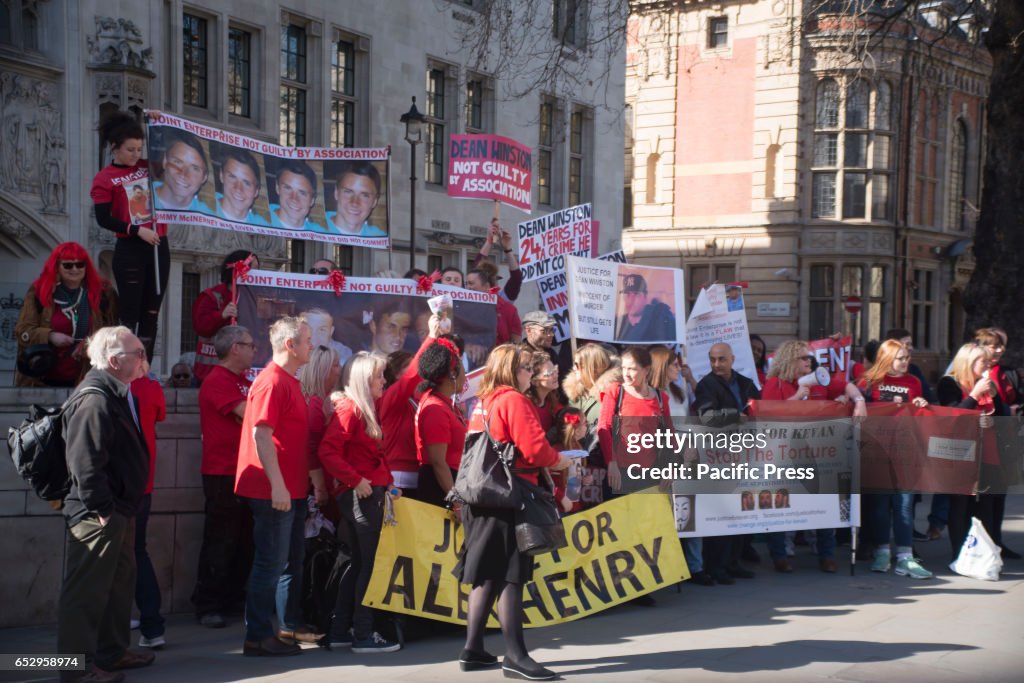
column 108, row 461
column 226, row 554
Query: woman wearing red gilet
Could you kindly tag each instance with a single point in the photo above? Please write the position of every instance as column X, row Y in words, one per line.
column 489, row 560
column 142, row 257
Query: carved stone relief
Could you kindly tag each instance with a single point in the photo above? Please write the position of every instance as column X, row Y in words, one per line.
column 118, row 41
column 823, row 240
column 855, row 241
column 13, row 227
column 32, row 145
column 881, row 241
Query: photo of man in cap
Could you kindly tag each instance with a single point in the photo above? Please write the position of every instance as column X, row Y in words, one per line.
column 643, row 319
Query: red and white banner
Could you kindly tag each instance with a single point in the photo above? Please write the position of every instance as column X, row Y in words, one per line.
column 545, row 242
column 490, row 167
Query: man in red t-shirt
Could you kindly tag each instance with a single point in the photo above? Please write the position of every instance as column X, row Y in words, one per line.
column 225, row 557
column 273, row 475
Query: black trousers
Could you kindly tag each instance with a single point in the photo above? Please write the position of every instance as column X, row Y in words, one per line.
column 225, row 557
column 141, row 270
column 365, row 515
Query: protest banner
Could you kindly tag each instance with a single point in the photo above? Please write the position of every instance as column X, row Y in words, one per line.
column 366, row 314
column 625, row 303
column 716, row 319
column 219, row 179
column 545, row 242
column 719, row 514
column 554, row 295
column 835, row 355
column 617, row 551
column 490, row 167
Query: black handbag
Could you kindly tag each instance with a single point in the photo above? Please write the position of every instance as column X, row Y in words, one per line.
column 485, row 477
column 539, row 527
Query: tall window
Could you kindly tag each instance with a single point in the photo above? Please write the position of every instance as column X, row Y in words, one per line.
column 293, row 85
column 195, row 60
column 239, row 72
column 569, row 21
column 822, row 304
column 875, row 304
column 435, row 127
column 923, row 309
column 190, row 289
column 956, row 200
column 545, row 152
column 576, row 158
column 926, row 160
column 852, row 161
column 295, row 250
column 718, row 32
column 343, row 256
column 343, row 94
column 475, row 106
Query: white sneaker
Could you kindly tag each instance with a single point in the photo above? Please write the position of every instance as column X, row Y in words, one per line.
column 152, row 643
column 134, row 623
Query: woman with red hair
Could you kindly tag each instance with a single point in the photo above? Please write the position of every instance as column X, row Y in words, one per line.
column 66, row 303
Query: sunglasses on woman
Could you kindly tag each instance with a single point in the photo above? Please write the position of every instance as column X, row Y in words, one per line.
column 72, row 265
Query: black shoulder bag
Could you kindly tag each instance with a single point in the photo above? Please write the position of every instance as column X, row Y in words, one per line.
column 485, row 474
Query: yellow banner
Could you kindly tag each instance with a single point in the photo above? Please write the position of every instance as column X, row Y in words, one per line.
column 617, row 551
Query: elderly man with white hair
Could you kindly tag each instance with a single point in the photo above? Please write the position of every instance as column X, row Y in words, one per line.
column 108, row 461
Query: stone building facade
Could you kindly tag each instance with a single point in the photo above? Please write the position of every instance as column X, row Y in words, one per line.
column 768, row 146
column 64, row 64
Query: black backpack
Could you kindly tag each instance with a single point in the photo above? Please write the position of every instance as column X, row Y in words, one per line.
column 37, row 448
column 326, row 562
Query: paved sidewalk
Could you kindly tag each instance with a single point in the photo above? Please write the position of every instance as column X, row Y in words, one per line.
column 806, row 626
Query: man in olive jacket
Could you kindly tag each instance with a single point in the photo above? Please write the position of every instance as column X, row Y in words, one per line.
column 109, row 465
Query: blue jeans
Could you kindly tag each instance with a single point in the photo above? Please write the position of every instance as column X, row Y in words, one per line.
column 276, row 578
column 693, row 550
column 147, row 590
column 892, row 511
column 826, row 542
column 939, row 515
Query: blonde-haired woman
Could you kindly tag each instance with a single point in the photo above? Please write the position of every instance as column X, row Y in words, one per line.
column 794, row 360
column 969, row 386
column 889, row 380
column 352, row 451
column 489, row 560
column 319, row 378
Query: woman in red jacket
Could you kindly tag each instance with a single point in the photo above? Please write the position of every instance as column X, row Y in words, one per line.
column 639, row 407
column 213, row 309
column 352, row 451
column 489, row 559
column 440, row 428
column 142, row 257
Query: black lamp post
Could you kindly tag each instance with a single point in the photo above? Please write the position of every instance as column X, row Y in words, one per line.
column 413, row 121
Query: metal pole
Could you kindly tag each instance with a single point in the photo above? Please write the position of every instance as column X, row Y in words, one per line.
column 412, row 208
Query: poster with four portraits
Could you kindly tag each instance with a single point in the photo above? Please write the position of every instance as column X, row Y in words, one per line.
column 201, row 175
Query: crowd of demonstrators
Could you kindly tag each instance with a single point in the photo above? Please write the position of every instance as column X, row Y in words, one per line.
column 543, row 389
column 225, row 557
column 490, row 561
column 888, row 380
column 142, row 256
column 214, row 309
column 63, row 306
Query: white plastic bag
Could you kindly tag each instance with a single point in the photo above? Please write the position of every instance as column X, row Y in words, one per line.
column 979, row 557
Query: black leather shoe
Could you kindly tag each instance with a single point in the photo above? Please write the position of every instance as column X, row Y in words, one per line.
column 702, row 578
column 535, row 672
column 740, row 573
column 472, row 661
column 1009, row 554
column 270, row 647
column 722, row 577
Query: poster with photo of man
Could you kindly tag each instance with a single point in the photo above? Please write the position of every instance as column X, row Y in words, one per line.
column 625, row 303
column 370, row 314
column 206, row 176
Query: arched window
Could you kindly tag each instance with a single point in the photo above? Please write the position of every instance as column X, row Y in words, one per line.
column 955, row 198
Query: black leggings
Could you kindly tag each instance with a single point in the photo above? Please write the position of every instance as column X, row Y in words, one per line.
column 136, row 273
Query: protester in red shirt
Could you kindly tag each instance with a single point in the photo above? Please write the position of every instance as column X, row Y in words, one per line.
column 152, row 409
column 794, row 360
column 889, row 381
column 490, row 560
column 142, row 257
column 1007, row 381
column 397, row 417
column 273, row 474
column 352, row 451
column 543, row 391
column 440, row 428
column 643, row 409
column 225, row 557
column 213, row 309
